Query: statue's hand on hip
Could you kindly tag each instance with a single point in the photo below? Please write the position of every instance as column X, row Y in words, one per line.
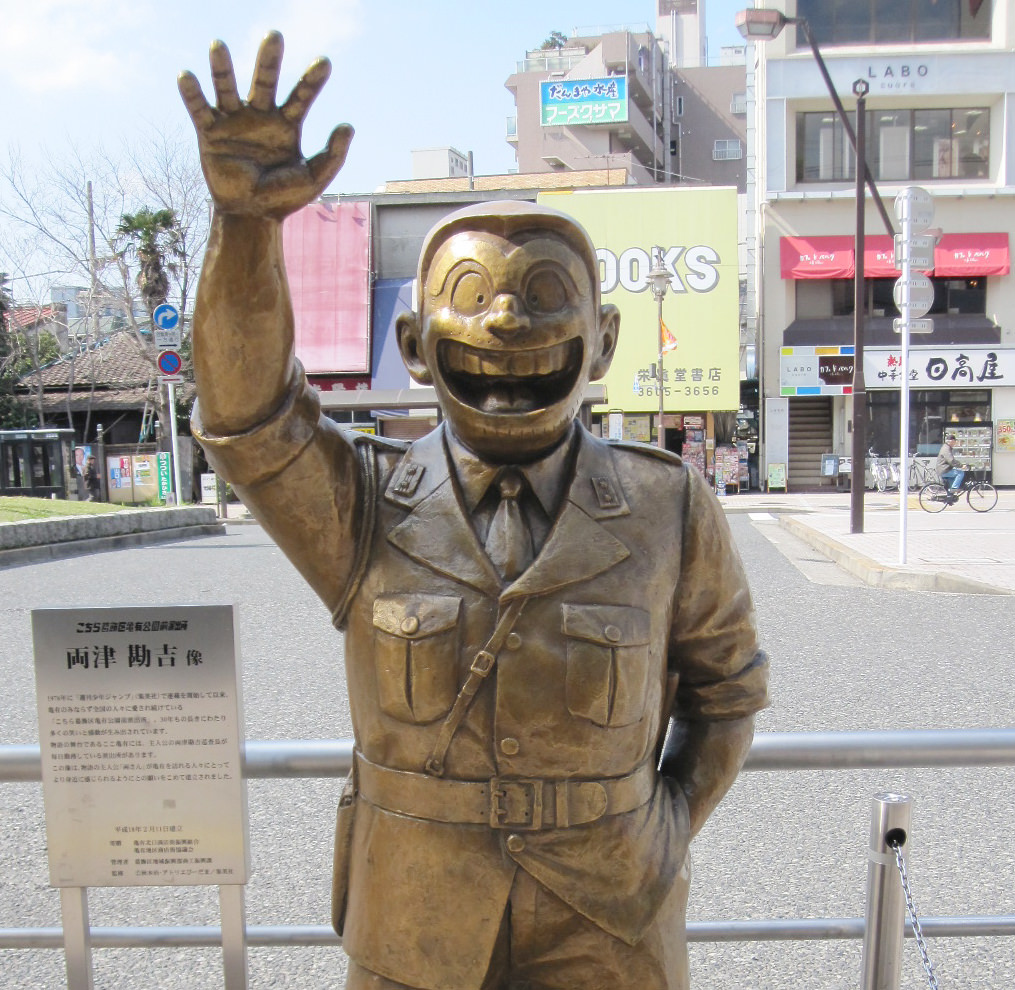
column 250, row 149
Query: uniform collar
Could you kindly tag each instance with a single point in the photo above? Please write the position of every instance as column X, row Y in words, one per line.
column 548, row 477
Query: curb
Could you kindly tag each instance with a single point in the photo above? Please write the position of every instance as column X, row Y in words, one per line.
column 879, row 575
column 56, row 538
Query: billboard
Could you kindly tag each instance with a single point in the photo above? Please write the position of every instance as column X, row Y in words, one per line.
column 697, row 231
column 574, row 102
column 327, row 257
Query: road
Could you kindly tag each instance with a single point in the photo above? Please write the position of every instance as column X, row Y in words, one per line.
column 792, row 844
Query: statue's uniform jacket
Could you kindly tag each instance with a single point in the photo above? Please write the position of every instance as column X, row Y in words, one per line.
column 637, row 588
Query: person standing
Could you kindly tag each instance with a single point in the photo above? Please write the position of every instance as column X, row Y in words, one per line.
column 92, row 482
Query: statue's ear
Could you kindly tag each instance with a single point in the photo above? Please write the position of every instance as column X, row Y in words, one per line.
column 606, row 341
column 410, row 344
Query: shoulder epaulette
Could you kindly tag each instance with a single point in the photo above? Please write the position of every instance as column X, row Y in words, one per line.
column 386, row 444
column 648, row 450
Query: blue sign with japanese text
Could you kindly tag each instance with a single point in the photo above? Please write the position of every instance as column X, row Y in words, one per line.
column 573, row 102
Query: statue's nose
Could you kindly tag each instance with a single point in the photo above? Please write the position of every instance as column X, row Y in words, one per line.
column 505, row 315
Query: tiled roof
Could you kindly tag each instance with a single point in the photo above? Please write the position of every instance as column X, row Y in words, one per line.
column 116, row 363
column 21, row 317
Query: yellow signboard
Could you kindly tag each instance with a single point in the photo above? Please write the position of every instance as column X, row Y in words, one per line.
column 697, row 231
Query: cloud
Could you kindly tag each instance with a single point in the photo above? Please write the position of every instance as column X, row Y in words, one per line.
column 53, row 46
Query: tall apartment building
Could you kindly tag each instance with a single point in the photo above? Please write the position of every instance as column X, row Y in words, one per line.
column 601, row 102
column 941, row 77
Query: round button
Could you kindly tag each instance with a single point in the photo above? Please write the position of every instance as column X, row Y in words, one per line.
column 410, row 625
column 513, row 641
column 612, row 633
column 509, row 746
column 515, row 843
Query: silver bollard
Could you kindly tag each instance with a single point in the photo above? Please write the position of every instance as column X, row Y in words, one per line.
column 885, row 922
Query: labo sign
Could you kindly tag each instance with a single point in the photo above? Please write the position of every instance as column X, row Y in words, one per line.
column 697, row 232
column 695, row 268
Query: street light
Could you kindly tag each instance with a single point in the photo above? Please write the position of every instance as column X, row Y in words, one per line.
column 761, row 25
column 659, row 282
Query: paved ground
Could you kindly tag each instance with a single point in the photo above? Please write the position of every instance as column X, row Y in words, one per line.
column 957, row 550
column 845, row 656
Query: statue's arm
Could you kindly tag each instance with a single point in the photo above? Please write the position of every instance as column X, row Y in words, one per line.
column 256, row 417
column 703, row 758
column 257, row 175
column 722, row 675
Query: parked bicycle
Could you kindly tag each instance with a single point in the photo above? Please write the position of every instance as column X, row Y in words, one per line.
column 920, row 474
column 884, row 471
column 980, row 494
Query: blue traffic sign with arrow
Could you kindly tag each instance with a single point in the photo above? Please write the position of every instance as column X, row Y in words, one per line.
column 166, row 316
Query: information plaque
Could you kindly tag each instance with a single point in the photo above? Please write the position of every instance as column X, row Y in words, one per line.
column 139, row 728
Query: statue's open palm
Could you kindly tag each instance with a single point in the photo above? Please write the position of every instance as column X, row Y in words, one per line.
column 250, row 150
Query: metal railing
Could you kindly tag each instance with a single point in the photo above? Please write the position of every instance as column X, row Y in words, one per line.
column 774, row 751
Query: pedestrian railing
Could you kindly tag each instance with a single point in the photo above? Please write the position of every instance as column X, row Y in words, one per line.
column 770, row 751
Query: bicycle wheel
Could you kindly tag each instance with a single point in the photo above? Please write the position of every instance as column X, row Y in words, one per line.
column 880, row 477
column 982, row 497
column 933, row 497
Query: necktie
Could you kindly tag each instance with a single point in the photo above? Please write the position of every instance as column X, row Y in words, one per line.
column 509, row 542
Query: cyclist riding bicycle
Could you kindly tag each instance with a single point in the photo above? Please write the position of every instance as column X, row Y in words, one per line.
column 949, row 470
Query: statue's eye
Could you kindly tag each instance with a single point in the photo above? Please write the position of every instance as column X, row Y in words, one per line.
column 545, row 293
column 471, row 295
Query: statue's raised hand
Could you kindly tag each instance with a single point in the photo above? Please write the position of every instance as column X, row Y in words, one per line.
column 250, row 150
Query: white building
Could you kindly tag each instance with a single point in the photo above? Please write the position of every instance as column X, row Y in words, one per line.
column 940, row 115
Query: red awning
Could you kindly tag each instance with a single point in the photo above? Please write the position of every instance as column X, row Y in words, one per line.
column 879, row 257
column 816, row 257
column 956, row 256
column 967, row 255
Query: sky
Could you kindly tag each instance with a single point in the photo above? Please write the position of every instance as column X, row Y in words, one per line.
column 88, row 73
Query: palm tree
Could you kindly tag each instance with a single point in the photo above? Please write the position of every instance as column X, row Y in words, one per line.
column 154, row 238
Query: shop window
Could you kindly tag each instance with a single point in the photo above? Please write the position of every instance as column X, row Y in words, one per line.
column 821, row 298
column 862, row 22
column 931, row 413
column 902, row 145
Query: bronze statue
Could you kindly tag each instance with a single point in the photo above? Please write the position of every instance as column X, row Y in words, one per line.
column 526, row 607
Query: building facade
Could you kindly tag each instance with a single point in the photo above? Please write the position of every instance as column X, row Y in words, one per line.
column 939, row 115
column 597, row 102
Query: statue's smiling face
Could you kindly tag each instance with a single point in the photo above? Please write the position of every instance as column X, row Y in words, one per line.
column 509, row 335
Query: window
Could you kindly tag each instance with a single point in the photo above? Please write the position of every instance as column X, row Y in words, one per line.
column 738, row 103
column 930, row 413
column 822, row 298
column 678, row 106
column 725, row 150
column 901, row 145
column 878, row 22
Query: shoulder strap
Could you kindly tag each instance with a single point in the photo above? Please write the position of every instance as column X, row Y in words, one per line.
column 480, row 669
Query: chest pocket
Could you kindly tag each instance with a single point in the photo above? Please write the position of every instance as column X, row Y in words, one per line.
column 416, row 655
column 607, row 662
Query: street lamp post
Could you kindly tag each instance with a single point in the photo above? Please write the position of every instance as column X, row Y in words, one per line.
column 762, row 25
column 659, row 282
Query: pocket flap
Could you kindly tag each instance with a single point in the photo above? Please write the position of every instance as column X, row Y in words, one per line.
column 607, row 625
column 415, row 616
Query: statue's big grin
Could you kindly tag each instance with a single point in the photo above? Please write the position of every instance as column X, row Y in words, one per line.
column 510, row 381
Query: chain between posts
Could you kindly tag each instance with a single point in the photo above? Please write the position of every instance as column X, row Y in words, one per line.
column 921, row 943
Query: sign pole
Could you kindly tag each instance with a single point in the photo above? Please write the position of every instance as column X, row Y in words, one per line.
column 77, row 939
column 175, row 453
column 234, row 936
column 907, row 269
column 914, row 295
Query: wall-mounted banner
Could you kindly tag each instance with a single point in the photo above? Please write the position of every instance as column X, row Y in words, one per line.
column 816, row 371
column 829, row 370
column 697, row 231
column 572, row 102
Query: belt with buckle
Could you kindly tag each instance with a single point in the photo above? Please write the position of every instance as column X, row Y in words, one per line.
column 517, row 803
